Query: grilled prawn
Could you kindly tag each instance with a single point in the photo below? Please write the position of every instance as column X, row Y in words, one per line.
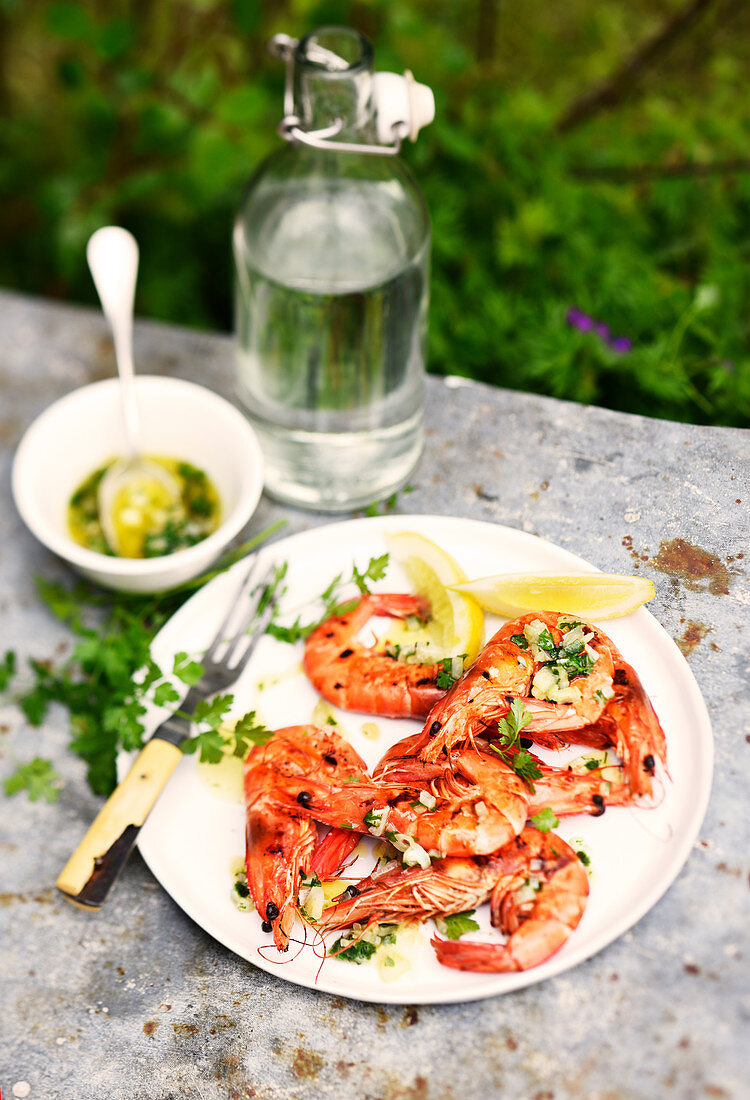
column 357, row 677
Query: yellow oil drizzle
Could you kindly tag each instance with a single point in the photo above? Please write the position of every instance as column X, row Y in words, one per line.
column 224, row 779
column 275, row 678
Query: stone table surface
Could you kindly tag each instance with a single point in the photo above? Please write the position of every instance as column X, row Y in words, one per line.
column 138, row 1002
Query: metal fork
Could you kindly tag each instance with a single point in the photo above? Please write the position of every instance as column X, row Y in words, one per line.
column 97, row 861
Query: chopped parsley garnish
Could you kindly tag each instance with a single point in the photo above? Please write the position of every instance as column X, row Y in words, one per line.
column 576, row 664
column 455, row 925
column 520, row 641
column 571, row 657
column 545, row 821
column 358, row 953
column 584, row 858
column 592, row 765
column 445, row 679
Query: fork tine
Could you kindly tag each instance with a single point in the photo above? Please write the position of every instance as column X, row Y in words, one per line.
column 253, row 636
column 253, row 588
column 247, row 582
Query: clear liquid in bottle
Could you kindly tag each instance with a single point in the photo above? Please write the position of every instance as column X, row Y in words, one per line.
column 331, row 256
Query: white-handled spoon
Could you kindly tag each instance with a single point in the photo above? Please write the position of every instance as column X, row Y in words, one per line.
column 112, row 255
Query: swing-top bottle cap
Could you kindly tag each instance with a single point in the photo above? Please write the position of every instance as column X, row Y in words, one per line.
column 400, row 99
column 400, row 105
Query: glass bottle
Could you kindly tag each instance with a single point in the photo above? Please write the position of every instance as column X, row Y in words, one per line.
column 331, row 252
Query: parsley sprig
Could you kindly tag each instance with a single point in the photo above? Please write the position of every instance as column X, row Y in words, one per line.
column 508, row 744
column 330, row 598
column 216, row 739
column 109, row 676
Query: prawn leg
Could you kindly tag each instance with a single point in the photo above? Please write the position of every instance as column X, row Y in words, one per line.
column 447, row 886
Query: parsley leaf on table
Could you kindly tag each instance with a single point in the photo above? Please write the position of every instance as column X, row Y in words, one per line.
column 38, row 778
column 381, row 507
column 104, row 683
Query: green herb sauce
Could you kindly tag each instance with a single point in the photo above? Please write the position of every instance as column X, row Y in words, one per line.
column 163, row 530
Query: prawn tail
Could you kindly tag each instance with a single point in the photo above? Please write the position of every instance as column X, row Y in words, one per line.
column 483, row 958
column 534, row 943
column 333, row 851
column 399, row 605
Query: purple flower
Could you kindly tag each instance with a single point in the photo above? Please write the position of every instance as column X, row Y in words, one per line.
column 580, row 320
column 576, row 318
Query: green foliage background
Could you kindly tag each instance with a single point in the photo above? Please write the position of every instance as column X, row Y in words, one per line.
column 153, row 113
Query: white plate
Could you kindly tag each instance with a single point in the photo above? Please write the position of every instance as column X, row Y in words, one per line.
column 192, row 837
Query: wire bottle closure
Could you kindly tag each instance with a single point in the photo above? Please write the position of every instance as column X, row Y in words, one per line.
column 290, row 128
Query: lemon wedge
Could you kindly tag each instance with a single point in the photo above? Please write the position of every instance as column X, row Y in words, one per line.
column 456, row 625
column 590, row 595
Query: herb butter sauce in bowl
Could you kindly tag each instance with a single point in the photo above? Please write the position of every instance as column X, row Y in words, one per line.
column 147, row 520
column 200, row 438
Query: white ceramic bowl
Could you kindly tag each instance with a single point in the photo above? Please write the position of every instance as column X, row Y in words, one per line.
column 83, row 430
